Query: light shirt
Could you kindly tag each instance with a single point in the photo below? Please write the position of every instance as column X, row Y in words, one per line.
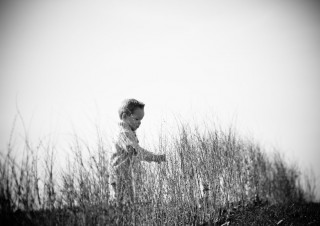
column 127, row 155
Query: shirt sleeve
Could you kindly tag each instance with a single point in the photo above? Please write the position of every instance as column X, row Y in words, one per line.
column 129, row 140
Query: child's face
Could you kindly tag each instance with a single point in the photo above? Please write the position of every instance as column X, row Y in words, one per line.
column 134, row 120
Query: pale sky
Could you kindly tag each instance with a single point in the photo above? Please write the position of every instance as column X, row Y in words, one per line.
column 255, row 64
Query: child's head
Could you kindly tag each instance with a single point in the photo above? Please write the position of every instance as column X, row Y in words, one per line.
column 132, row 112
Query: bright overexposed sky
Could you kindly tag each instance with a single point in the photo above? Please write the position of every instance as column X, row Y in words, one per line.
column 255, row 64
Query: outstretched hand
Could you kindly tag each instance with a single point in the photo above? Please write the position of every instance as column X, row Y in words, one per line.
column 162, row 158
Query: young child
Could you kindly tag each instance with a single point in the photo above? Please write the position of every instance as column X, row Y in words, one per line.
column 127, row 154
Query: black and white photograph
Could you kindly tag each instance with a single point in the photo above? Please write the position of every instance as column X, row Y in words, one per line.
column 159, row 112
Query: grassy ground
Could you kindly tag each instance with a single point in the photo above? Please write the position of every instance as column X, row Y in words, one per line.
column 278, row 214
column 261, row 214
column 206, row 170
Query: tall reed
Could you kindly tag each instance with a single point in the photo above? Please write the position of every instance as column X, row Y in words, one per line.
column 206, row 171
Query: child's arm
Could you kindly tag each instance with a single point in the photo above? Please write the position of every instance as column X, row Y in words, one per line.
column 151, row 157
column 144, row 154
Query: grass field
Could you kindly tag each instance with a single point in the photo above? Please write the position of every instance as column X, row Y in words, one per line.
column 211, row 177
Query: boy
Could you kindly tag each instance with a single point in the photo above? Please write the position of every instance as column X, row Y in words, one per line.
column 127, row 154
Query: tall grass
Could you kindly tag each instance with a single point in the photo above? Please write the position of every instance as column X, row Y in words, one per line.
column 206, row 172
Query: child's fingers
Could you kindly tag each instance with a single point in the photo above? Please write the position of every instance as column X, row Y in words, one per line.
column 163, row 158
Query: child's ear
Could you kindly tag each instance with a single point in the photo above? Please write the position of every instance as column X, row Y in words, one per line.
column 125, row 115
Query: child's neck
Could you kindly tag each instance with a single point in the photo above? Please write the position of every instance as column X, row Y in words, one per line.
column 126, row 125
